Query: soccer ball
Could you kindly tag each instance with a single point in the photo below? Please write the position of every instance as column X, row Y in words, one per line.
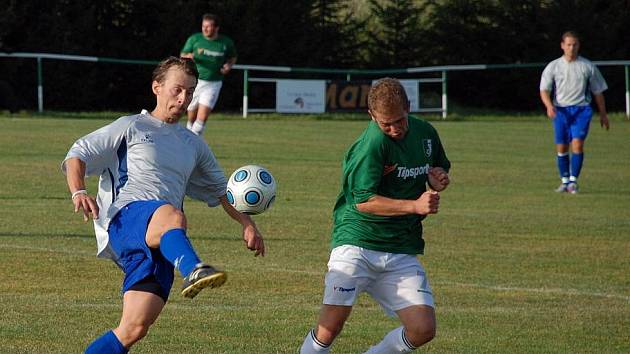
column 251, row 189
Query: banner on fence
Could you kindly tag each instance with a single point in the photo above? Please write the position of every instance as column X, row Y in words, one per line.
column 348, row 96
column 300, row 96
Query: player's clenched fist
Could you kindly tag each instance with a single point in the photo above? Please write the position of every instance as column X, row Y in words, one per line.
column 438, row 178
column 428, row 203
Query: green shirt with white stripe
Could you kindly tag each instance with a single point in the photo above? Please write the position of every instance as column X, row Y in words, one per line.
column 379, row 165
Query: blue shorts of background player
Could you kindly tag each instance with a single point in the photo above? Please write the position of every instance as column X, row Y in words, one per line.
column 145, row 269
column 572, row 122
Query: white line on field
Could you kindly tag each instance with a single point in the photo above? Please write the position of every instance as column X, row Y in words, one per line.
column 536, row 290
column 560, row 291
column 49, row 250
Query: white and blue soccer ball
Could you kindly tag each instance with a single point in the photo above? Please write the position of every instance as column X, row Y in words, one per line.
column 251, row 189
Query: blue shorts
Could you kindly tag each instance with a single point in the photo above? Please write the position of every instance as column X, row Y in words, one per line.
column 127, row 233
column 572, row 123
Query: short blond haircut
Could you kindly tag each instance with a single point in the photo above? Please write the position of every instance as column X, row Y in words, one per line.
column 184, row 64
column 387, row 94
column 571, row 34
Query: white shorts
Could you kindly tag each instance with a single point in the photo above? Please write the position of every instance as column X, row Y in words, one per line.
column 206, row 93
column 395, row 281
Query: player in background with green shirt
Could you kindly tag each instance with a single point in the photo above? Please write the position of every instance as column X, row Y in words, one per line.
column 391, row 178
column 214, row 55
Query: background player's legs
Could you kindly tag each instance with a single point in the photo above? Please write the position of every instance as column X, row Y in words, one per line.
column 562, row 159
column 192, row 116
column 199, row 122
column 329, row 325
column 579, row 128
column 562, row 139
column 577, row 159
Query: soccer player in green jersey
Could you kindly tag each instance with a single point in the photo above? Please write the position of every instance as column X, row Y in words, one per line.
column 214, row 55
column 392, row 176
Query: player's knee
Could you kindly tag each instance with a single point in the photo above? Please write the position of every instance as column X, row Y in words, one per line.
column 133, row 332
column 178, row 219
column 421, row 332
column 327, row 333
column 171, row 218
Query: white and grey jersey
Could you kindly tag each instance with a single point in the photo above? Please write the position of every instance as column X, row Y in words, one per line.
column 572, row 81
column 140, row 157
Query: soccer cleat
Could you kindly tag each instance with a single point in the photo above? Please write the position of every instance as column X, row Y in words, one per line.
column 572, row 188
column 562, row 188
column 203, row 276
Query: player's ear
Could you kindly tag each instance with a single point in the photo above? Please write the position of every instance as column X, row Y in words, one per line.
column 155, row 87
column 371, row 115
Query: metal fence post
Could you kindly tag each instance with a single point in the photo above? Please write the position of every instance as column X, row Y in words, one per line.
column 245, row 92
column 444, row 96
column 627, row 93
column 40, row 86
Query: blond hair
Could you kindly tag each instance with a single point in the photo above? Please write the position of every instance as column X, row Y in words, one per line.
column 184, row 64
column 387, row 94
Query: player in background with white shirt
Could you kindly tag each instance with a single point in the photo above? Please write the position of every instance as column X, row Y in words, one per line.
column 574, row 81
column 147, row 163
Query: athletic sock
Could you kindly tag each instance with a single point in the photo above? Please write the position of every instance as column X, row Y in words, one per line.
column 189, row 125
column 563, row 166
column 107, row 343
column 576, row 165
column 177, row 249
column 197, row 127
column 313, row 345
column 394, row 342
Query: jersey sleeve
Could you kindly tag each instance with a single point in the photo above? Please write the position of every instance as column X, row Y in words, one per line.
column 230, row 50
column 439, row 157
column 597, row 84
column 546, row 79
column 207, row 182
column 364, row 169
column 98, row 149
column 188, row 46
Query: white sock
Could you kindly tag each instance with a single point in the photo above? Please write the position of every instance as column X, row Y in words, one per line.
column 189, row 125
column 394, row 342
column 197, row 127
column 313, row 345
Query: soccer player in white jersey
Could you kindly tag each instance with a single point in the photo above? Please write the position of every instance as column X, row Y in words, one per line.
column 147, row 163
column 574, row 81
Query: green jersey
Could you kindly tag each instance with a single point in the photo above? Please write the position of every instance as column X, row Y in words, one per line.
column 379, row 165
column 210, row 55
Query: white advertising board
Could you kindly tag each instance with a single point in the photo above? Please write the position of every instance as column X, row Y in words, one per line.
column 301, row 96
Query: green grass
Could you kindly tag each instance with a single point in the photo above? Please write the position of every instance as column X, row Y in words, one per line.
column 515, row 267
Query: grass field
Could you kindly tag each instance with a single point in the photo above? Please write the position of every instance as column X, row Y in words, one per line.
column 515, row 267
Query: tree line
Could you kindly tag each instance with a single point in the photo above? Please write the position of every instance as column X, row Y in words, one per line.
column 357, row 34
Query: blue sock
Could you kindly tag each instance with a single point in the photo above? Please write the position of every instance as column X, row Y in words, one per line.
column 576, row 164
column 563, row 166
column 106, row 344
column 178, row 250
